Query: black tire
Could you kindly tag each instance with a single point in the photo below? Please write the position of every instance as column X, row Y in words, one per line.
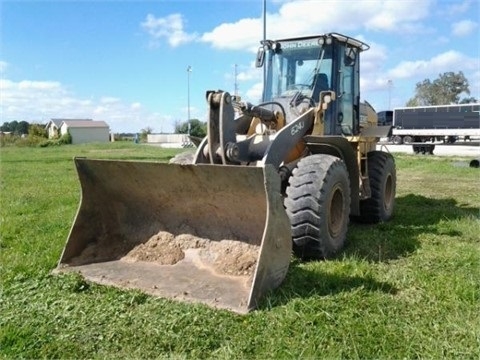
column 452, row 139
column 383, row 181
column 318, row 205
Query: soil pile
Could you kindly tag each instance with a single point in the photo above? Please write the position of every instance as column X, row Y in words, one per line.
column 228, row 257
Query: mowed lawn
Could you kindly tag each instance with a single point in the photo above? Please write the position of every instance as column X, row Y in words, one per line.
column 409, row 288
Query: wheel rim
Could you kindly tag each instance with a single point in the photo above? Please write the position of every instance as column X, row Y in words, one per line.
column 389, row 193
column 336, row 214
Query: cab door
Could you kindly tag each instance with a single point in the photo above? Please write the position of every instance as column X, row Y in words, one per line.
column 348, row 91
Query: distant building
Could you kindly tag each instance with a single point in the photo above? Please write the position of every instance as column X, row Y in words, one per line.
column 85, row 131
column 53, row 126
column 169, row 140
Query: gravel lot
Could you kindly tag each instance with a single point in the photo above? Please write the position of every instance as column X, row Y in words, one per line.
column 470, row 149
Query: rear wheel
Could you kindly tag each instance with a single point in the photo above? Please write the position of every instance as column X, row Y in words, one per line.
column 381, row 171
column 318, row 205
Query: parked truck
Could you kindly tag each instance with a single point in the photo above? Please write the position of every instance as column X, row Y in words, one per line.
column 423, row 126
column 385, row 118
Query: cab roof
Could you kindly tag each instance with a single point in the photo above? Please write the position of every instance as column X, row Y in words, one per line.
column 342, row 38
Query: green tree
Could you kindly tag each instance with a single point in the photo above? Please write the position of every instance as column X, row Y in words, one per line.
column 468, row 100
column 22, row 128
column 197, row 128
column 9, row 126
column 13, row 126
column 37, row 130
column 5, row 127
column 444, row 90
column 18, row 128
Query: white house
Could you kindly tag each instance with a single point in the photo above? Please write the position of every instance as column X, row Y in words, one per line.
column 85, row 131
column 53, row 126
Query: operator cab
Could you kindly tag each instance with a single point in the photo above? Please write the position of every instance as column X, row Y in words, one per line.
column 299, row 69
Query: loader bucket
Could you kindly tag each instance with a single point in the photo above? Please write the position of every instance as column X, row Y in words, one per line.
column 213, row 234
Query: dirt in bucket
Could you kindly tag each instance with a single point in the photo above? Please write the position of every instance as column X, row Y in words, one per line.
column 227, row 257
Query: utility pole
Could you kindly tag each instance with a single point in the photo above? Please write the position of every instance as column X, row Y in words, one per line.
column 189, row 70
column 264, row 39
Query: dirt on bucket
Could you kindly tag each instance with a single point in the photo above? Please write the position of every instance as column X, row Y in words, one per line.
column 225, row 257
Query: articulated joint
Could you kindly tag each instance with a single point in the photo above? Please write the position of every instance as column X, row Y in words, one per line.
column 215, row 98
column 232, row 152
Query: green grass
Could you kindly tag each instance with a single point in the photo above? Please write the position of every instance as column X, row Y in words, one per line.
column 409, row 288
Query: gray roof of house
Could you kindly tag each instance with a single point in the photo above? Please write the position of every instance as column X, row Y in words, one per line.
column 85, row 124
column 59, row 121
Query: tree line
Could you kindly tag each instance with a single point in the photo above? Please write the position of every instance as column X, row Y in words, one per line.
column 15, row 127
column 23, row 128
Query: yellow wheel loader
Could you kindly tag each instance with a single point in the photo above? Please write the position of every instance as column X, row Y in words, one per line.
column 285, row 174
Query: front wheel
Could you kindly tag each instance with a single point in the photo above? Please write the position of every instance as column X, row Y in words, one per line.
column 318, row 206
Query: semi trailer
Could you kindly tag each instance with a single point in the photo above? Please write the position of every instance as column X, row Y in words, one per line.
column 425, row 126
column 435, row 123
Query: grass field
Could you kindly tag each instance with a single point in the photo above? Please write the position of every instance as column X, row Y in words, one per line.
column 409, row 288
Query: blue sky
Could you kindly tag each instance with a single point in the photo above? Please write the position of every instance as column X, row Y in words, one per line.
column 125, row 62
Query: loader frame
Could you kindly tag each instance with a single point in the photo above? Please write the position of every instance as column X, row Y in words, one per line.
column 285, row 174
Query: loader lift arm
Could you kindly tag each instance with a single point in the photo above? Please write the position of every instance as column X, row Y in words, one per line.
column 222, row 147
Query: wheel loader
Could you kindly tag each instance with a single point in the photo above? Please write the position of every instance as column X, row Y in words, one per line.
column 285, row 175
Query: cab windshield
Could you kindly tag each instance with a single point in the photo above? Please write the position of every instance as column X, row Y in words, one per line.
column 300, row 66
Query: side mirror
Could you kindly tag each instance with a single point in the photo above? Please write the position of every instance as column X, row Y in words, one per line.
column 259, row 61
